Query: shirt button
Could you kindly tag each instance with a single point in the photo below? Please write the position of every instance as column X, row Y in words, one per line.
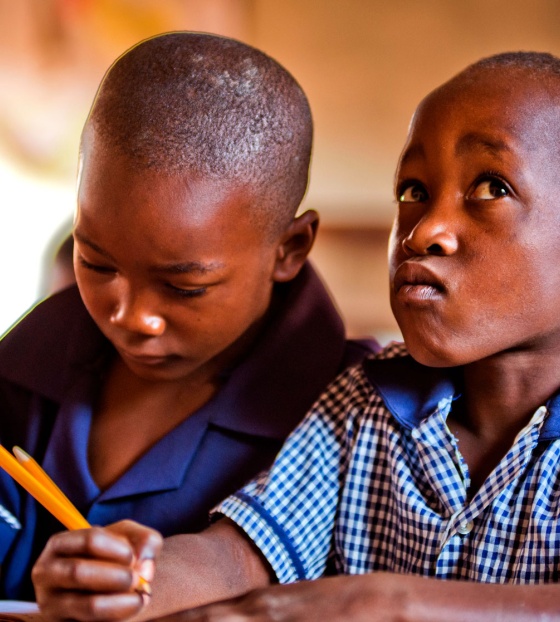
column 465, row 528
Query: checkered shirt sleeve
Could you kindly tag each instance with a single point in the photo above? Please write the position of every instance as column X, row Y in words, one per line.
column 290, row 511
column 355, row 491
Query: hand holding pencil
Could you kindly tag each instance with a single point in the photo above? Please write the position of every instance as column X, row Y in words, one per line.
column 29, row 474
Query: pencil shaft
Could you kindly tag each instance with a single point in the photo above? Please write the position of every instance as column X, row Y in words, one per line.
column 29, row 474
column 35, row 469
column 52, row 503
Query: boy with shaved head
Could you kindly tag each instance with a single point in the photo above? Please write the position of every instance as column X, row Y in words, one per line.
column 427, row 477
column 198, row 336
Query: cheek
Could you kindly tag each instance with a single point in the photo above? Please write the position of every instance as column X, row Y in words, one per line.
column 393, row 249
column 96, row 297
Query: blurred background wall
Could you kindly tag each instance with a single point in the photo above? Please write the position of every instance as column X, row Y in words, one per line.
column 364, row 64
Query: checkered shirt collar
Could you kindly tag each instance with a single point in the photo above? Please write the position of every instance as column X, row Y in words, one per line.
column 412, row 391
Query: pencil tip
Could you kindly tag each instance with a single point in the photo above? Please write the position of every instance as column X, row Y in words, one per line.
column 20, row 454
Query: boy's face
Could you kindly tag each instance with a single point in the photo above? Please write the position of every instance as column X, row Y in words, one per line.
column 475, row 252
column 171, row 268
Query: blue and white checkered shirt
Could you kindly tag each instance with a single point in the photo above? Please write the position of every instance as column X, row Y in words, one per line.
column 372, row 479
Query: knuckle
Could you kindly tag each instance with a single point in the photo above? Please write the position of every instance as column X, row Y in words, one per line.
column 91, row 608
column 154, row 539
column 93, row 540
column 38, row 573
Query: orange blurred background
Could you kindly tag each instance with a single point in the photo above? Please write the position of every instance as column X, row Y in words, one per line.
column 364, row 64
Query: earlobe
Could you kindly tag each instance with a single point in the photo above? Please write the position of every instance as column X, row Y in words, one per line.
column 295, row 245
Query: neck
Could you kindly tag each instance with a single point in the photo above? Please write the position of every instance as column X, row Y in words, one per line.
column 500, row 395
column 503, row 392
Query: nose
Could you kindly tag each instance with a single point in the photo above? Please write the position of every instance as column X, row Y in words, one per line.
column 136, row 313
column 435, row 233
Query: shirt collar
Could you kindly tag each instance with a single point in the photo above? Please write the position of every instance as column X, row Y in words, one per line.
column 301, row 349
column 412, row 392
column 51, row 346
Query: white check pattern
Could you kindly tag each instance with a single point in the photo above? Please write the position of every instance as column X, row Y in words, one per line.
column 9, row 518
column 354, row 491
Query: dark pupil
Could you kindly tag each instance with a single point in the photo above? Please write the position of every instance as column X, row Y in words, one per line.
column 496, row 189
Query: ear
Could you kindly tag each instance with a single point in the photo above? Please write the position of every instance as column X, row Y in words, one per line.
column 294, row 246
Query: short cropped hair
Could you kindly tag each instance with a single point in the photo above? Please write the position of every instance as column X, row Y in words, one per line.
column 535, row 63
column 204, row 104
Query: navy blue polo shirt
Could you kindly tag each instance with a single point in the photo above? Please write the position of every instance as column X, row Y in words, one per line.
column 51, row 366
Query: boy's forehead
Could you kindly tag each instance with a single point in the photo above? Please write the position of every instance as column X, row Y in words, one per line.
column 111, row 181
column 508, row 101
column 101, row 158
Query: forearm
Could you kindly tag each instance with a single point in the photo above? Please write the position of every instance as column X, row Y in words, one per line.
column 195, row 569
column 409, row 598
column 432, row 600
column 386, row 597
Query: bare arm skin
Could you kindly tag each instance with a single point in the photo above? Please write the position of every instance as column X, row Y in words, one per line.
column 385, row 597
column 92, row 574
column 191, row 570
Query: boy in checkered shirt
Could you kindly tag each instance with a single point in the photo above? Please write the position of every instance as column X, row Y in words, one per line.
column 424, row 481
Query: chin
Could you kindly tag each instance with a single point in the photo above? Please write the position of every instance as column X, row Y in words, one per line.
column 155, row 373
column 433, row 354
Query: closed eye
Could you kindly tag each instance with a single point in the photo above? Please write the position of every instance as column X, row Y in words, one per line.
column 95, row 267
column 186, row 292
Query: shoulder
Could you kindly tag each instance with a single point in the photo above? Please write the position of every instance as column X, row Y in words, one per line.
column 388, row 383
column 352, row 391
column 53, row 312
column 38, row 350
column 356, row 350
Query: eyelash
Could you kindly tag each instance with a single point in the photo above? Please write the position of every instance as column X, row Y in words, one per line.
column 403, row 186
column 94, row 267
column 179, row 291
column 187, row 293
column 489, row 175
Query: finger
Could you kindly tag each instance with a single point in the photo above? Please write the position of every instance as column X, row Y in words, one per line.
column 91, row 608
column 146, row 542
column 95, row 542
column 87, row 575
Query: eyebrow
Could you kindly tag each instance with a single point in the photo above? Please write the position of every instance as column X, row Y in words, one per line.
column 188, row 267
column 414, row 151
column 474, row 140
column 84, row 240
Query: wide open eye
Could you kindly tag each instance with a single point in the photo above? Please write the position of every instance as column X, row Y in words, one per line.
column 412, row 192
column 489, row 189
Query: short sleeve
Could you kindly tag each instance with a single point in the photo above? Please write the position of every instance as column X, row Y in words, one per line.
column 289, row 512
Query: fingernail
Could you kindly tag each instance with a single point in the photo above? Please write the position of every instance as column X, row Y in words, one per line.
column 146, row 569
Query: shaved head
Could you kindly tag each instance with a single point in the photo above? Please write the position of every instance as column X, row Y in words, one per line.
column 528, row 80
column 536, row 63
column 204, row 105
column 540, row 67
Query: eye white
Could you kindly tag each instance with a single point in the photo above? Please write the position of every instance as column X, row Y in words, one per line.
column 490, row 189
column 412, row 194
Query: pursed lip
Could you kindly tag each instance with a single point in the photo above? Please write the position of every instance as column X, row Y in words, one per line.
column 415, row 277
column 143, row 358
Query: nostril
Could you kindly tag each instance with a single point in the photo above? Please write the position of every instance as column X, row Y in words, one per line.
column 435, row 249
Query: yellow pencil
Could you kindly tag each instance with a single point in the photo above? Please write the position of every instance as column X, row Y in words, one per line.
column 44, row 496
column 33, row 468
column 39, row 485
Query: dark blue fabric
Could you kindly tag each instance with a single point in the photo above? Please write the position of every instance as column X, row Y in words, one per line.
column 412, row 391
column 50, row 369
